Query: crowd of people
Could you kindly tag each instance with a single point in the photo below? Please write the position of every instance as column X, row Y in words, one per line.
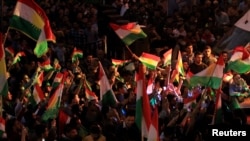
column 193, row 27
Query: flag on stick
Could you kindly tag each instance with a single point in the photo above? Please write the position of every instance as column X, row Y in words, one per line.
column 30, row 19
column 167, row 57
column 18, row 57
column 128, row 33
column 107, row 95
column 240, row 60
column 76, row 54
column 211, row 76
column 149, row 60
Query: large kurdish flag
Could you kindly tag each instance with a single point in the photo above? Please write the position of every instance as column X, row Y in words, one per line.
column 143, row 109
column 107, row 95
column 211, row 76
column 27, row 19
column 3, row 71
column 31, row 20
column 128, row 33
column 149, row 60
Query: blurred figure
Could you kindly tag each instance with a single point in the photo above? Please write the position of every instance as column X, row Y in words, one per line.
column 95, row 134
column 208, row 58
column 127, row 130
column 70, row 134
column 238, row 88
column 15, row 130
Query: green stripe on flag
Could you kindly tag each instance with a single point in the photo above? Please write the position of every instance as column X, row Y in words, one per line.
column 213, row 82
column 41, row 48
column 138, row 119
column 128, row 40
column 25, row 27
column 108, row 99
column 4, row 91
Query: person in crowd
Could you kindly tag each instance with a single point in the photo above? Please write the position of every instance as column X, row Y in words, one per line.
column 221, row 18
column 197, row 65
column 127, row 130
column 208, row 58
column 208, row 37
column 15, row 130
column 238, row 88
column 121, row 91
column 95, row 134
column 70, row 134
column 188, row 53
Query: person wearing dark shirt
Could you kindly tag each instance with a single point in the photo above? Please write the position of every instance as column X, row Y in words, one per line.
column 197, row 65
column 127, row 130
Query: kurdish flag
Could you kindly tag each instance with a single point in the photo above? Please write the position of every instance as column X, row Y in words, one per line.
column 57, row 80
column 90, row 95
column 107, row 95
column 76, row 54
column 128, row 33
column 56, row 65
column 3, row 72
column 63, row 118
column 10, row 51
column 167, row 57
column 117, row 62
column 46, row 66
column 149, row 60
column 30, row 19
column 150, row 85
column 53, row 104
column 217, row 117
column 18, row 57
column 240, row 60
column 211, row 76
column 179, row 65
column 179, row 70
column 39, row 79
column 153, row 134
column 143, row 109
column 2, row 126
column 37, row 95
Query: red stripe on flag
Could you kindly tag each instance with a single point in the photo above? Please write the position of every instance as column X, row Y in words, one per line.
column 114, row 26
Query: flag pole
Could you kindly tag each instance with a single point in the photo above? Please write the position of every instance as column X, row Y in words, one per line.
column 105, row 44
column 1, row 97
column 130, row 51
